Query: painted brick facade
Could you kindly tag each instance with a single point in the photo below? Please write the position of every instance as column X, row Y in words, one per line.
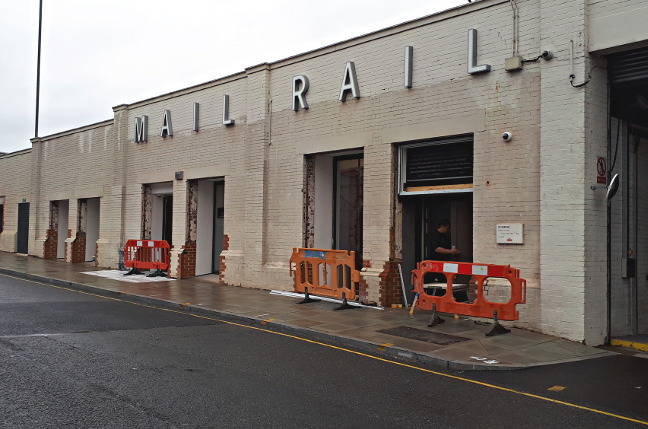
column 541, row 178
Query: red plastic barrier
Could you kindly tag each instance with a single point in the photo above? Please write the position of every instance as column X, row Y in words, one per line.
column 147, row 254
column 479, row 272
column 325, row 272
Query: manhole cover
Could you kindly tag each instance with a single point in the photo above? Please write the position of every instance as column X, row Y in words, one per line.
column 423, row 335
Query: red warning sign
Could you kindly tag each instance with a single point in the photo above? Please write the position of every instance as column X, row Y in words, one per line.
column 601, row 170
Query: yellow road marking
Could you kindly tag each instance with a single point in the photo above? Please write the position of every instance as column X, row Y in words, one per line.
column 383, row 346
column 630, row 344
column 557, row 388
column 266, row 321
column 378, row 358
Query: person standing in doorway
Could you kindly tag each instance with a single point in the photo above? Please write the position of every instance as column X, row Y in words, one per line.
column 442, row 248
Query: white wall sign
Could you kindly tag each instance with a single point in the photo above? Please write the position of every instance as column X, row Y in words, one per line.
column 510, row 233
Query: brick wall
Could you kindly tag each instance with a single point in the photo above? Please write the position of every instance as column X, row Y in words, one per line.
column 15, row 182
column 50, row 247
column 541, row 178
column 187, row 260
column 77, row 248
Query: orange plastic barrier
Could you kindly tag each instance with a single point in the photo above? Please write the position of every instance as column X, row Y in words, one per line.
column 481, row 307
column 329, row 273
column 147, row 254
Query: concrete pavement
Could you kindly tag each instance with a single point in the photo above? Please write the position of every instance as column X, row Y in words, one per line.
column 456, row 344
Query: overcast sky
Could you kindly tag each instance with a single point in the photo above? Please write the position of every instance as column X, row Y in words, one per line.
column 98, row 54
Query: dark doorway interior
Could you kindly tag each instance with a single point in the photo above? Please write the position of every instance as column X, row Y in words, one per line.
column 347, row 203
column 628, row 229
column 218, row 229
column 22, row 245
column 167, row 218
column 421, row 213
column 420, row 217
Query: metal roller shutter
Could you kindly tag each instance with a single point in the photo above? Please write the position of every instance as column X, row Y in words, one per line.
column 628, row 66
column 434, row 166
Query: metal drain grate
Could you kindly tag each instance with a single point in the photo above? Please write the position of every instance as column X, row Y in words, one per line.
column 423, row 335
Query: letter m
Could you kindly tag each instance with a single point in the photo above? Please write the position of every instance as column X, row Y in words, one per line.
column 141, row 129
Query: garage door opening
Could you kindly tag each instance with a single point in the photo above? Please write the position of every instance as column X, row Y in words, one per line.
column 157, row 208
column 89, row 224
column 210, row 225
column 628, row 157
column 435, row 182
column 62, row 228
column 334, row 201
column 22, row 236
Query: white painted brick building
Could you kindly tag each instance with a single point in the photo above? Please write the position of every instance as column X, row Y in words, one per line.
column 541, row 178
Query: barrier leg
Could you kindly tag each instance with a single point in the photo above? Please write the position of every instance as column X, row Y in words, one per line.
column 345, row 304
column 133, row 271
column 157, row 273
column 435, row 319
column 497, row 328
column 307, row 298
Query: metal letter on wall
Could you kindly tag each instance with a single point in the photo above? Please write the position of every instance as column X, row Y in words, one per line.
column 473, row 68
column 409, row 53
column 226, row 118
column 167, row 127
column 299, row 89
column 141, row 129
column 196, row 117
column 349, row 82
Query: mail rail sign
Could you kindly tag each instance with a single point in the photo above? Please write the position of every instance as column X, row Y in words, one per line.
column 510, row 233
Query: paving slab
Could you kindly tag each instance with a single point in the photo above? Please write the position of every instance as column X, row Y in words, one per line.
column 357, row 329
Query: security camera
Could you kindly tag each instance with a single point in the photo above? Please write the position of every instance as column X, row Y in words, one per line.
column 507, row 136
column 547, row 55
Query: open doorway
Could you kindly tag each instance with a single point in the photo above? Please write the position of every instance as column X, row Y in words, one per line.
column 422, row 216
column 22, row 236
column 161, row 216
column 91, row 229
column 210, row 228
column 628, row 228
column 62, row 232
column 435, row 183
column 334, row 201
column 347, row 203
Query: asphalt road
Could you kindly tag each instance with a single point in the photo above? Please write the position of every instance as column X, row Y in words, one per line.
column 71, row 359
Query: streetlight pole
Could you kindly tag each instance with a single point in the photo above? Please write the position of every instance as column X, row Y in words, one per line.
column 40, row 27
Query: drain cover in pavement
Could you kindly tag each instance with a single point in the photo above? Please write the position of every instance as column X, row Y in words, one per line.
column 422, row 335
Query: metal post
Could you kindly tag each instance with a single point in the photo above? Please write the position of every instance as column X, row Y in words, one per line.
column 40, row 27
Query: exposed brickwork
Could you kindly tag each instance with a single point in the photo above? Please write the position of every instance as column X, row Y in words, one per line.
column 78, row 248
column 362, row 292
column 50, row 247
column 390, row 288
column 222, row 265
column 146, row 211
column 309, row 201
column 188, row 260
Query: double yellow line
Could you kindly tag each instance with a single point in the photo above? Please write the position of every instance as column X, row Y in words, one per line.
column 343, row 349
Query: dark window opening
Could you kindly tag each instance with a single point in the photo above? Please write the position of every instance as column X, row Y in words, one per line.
column 434, row 166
